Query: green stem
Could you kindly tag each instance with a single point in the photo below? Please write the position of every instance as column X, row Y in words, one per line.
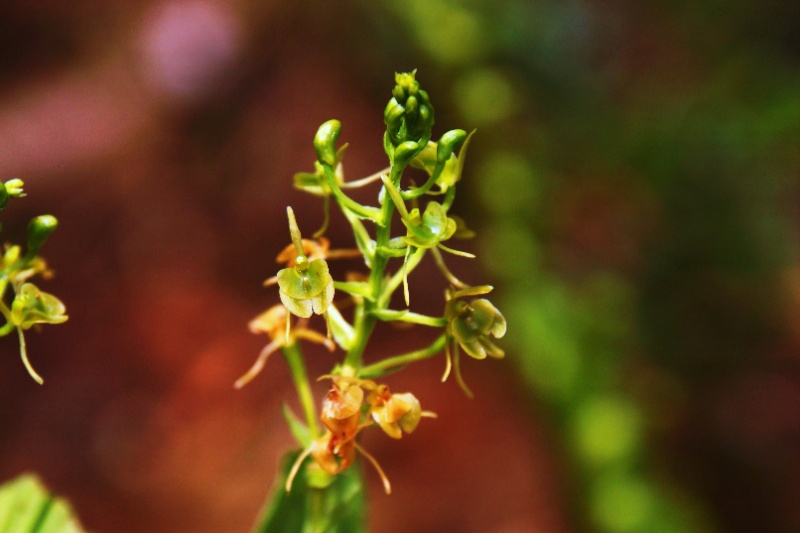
column 379, row 368
column 364, row 321
column 347, row 203
column 394, row 282
column 420, row 191
column 298, row 370
column 388, row 315
column 7, row 328
column 24, row 354
column 4, row 308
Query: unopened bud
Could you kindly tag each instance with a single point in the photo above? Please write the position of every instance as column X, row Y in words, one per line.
column 325, row 141
column 39, row 229
column 405, row 152
column 448, row 143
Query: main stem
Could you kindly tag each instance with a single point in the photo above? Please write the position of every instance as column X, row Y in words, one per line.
column 298, row 370
column 364, row 320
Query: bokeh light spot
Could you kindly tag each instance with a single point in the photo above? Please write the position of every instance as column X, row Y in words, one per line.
column 484, row 97
column 621, row 503
column 187, row 48
column 606, row 429
column 449, row 32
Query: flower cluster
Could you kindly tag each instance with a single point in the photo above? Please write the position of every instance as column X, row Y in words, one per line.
column 351, row 307
column 30, row 305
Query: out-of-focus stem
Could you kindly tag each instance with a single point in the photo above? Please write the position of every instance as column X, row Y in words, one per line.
column 377, row 369
column 298, row 370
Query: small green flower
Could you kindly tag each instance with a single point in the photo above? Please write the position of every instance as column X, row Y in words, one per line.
column 430, row 228
column 307, row 287
column 32, row 306
column 471, row 326
column 39, row 229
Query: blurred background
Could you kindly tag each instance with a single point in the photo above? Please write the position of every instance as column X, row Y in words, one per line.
column 633, row 182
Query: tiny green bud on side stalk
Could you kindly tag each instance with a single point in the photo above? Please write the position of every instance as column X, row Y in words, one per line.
column 10, row 189
column 405, row 152
column 325, row 141
column 448, row 143
column 14, row 188
column 39, row 229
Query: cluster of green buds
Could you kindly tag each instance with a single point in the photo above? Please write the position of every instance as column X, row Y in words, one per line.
column 409, row 118
column 351, row 307
column 29, row 306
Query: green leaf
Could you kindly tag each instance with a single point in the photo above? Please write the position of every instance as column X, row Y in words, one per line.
column 355, row 288
column 27, row 507
column 341, row 329
column 337, row 508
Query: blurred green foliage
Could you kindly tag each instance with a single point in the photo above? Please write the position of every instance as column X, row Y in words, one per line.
column 638, row 173
column 27, row 507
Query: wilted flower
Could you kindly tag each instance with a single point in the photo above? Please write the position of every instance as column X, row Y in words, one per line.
column 314, row 249
column 272, row 322
column 341, row 414
column 395, row 413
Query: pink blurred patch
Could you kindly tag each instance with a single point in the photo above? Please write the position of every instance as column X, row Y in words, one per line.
column 188, row 47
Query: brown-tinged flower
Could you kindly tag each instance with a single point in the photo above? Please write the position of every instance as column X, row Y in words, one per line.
column 273, row 322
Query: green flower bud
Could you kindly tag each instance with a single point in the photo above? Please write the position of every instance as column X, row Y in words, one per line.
column 10, row 189
column 39, row 228
column 405, row 152
column 393, row 114
column 448, row 143
column 14, row 188
column 412, row 106
column 398, row 92
column 406, row 83
column 325, row 141
column 11, row 255
column 409, row 114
